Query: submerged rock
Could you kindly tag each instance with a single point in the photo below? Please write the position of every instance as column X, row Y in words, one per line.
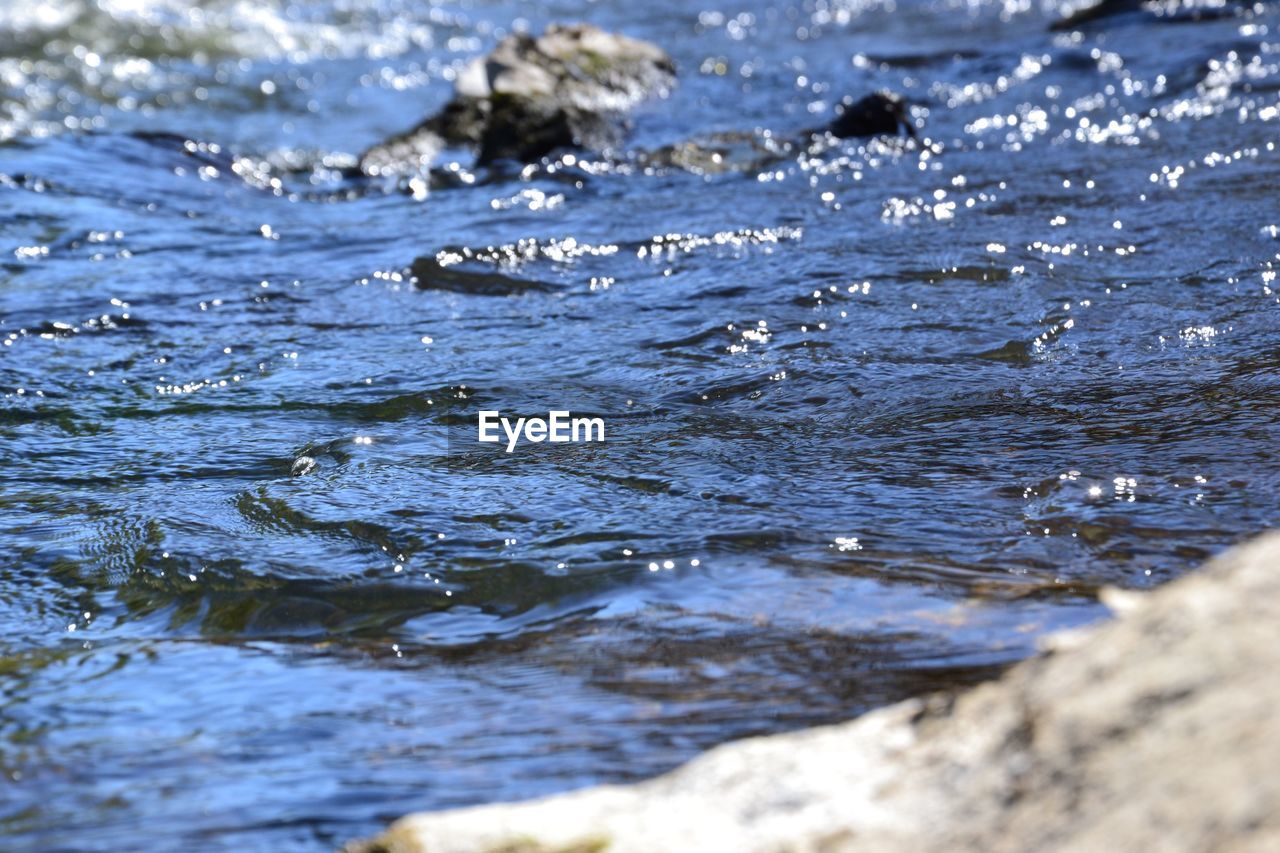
column 882, row 113
column 1157, row 731
column 734, row 151
column 433, row 274
column 569, row 87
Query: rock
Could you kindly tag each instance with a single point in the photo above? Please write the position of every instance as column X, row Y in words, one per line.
column 1169, row 11
column 1157, row 731
column 528, row 129
column 567, row 88
column 877, row 113
column 880, row 113
column 742, row 151
column 1091, row 12
column 433, row 274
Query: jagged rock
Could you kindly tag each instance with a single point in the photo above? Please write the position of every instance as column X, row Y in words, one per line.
column 1157, row 731
column 568, row 87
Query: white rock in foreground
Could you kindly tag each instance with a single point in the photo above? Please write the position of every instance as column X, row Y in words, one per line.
column 1157, row 731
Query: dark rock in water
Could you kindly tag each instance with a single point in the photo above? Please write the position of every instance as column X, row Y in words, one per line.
column 433, row 274
column 877, row 113
column 528, row 129
column 567, row 88
column 1170, row 11
column 1097, row 11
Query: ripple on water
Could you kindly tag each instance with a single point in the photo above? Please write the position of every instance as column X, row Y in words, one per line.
column 881, row 411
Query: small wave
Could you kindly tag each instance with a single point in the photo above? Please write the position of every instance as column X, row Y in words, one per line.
column 496, row 270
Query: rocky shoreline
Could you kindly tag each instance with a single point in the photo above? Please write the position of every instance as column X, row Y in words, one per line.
column 1156, row 730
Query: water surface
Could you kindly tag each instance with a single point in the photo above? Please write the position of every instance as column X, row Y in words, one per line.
column 896, row 408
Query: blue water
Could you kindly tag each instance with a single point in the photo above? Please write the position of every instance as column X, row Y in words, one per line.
column 896, row 408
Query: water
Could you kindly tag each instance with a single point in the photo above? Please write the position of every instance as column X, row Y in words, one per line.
column 896, row 408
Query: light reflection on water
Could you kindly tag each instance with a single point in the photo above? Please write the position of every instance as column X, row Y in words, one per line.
column 896, row 409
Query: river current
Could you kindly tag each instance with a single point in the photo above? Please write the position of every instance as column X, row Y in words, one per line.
column 886, row 411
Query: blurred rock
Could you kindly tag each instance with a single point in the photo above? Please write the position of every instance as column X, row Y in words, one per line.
column 1090, row 12
column 569, row 87
column 882, row 112
column 1169, row 11
column 1157, row 731
column 710, row 154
